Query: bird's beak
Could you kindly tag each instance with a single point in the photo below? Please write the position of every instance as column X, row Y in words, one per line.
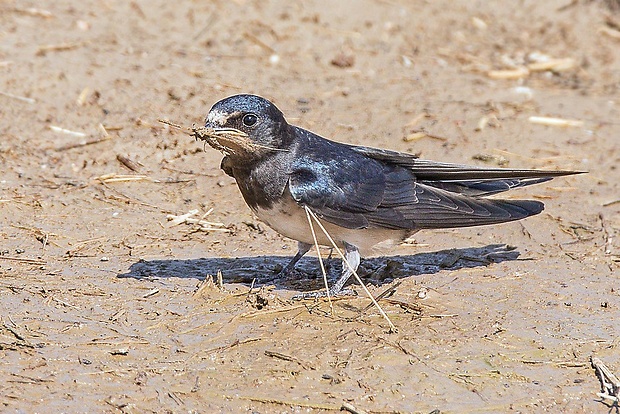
column 226, row 140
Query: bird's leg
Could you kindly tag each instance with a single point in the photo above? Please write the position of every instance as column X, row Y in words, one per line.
column 302, row 248
column 352, row 256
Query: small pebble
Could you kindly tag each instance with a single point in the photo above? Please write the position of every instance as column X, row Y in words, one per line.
column 274, row 59
column 423, row 293
column 343, row 60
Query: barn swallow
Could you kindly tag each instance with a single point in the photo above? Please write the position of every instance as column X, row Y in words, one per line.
column 363, row 196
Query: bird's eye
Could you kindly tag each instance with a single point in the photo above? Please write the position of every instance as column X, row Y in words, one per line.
column 249, row 120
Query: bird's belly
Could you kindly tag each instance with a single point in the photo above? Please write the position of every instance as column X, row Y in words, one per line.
column 290, row 220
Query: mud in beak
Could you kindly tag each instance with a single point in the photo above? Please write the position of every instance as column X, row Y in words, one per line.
column 225, row 140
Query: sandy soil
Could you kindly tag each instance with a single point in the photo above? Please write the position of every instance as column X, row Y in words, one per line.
column 106, row 307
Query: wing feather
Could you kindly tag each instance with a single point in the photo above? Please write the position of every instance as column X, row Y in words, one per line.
column 359, row 187
column 466, row 179
column 380, row 195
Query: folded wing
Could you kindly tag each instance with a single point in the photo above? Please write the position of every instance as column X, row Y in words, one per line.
column 355, row 191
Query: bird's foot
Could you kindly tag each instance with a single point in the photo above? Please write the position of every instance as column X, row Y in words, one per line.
column 319, row 294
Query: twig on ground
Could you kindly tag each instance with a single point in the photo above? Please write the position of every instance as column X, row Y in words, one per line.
column 517, row 73
column 351, row 409
column 129, row 163
column 387, row 292
column 203, row 225
column 175, row 220
column 120, row 178
column 24, row 260
column 610, row 384
column 259, row 42
column 233, row 344
column 210, row 20
column 63, row 303
column 19, row 98
column 606, row 235
column 608, row 31
column 284, row 357
column 41, row 235
column 543, row 120
column 414, row 308
column 81, row 143
column 290, row 403
column 150, row 293
column 565, row 364
column 443, row 315
column 34, row 11
column 553, row 65
column 15, row 332
column 123, row 197
column 61, row 47
column 251, row 314
column 67, row 131
column 175, row 397
column 24, row 379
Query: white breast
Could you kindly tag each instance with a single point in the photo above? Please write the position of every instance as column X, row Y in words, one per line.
column 289, row 219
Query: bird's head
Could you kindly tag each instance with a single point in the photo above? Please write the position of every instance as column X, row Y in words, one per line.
column 245, row 127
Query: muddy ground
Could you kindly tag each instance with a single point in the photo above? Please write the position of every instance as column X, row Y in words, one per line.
column 107, row 307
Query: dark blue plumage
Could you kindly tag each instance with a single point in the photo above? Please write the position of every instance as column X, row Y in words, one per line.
column 365, row 196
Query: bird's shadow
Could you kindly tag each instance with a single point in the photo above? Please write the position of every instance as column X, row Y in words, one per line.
column 307, row 274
